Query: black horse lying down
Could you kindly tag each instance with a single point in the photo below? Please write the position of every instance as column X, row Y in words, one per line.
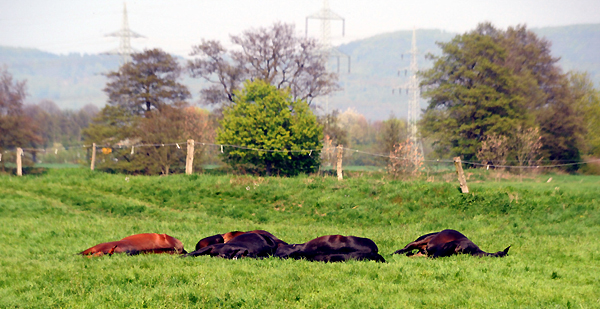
column 446, row 243
column 245, row 245
column 332, row 248
column 227, row 237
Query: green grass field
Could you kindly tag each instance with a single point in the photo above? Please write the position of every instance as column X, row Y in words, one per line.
column 554, row 230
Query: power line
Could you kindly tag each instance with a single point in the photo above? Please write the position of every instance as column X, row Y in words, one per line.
column 181, row 145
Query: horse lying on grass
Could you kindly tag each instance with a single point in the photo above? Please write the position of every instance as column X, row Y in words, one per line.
column 225, row 238
column 139, row 243
column 446, row 243
column 332, row 248
column 250, row 244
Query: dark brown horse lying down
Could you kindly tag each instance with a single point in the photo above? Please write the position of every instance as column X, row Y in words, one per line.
column 225, row 238
column 253, row 245
column 332, row 248
column 139, row 243
column 446, row 243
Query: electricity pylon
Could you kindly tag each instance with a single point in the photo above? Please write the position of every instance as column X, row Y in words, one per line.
column 326, row 16
column 414, row 91
column 124, row 34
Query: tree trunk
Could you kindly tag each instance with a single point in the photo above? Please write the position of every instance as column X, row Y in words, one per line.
column 268, row 166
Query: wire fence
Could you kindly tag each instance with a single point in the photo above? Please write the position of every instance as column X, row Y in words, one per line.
column 80, row 154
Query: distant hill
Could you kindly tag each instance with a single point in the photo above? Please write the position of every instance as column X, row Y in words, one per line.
column 377, row 66
column 578, row 47
column 75, row 80
column 71, row 81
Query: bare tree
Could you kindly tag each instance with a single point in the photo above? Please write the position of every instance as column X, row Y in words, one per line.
column 16, row 128
column 494, row 150
column 176, row 124
column 405, row 160
column 276, row 55
column 392, row 133
column 527, row 144
column 328, row 152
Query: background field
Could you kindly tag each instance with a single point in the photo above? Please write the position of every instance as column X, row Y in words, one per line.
column 45, row 219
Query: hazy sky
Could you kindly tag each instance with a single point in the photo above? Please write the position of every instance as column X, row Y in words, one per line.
column 64, row 26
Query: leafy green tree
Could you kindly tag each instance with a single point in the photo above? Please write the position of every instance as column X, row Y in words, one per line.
column 491, row 81
column 147, row 105
column 172, row 124
column 264, row 117
column 392, row 133
column 588, row 103
column 114, row 126
column 561, row 126
column 551, row 98
column 148, row 82
column 472, row 94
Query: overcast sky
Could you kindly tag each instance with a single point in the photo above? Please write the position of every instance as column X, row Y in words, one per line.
column 64, row 26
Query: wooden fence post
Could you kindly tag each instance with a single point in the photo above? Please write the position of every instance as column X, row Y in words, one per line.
column 189, row 160
column 19, row 164
column 461, row 175
column 93, row 156
column 340, row 153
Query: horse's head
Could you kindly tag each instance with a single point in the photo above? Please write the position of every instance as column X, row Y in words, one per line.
column 285, row 251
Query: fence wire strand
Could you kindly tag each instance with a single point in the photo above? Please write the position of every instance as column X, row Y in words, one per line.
column 181, row 145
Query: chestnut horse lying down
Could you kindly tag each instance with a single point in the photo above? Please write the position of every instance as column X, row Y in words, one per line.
column 139, row 243
column 225, row 238
column 332, row 248
column 446, row 243
column 249, row 244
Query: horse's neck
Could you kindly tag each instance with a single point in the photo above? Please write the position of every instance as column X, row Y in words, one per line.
column 469, row 247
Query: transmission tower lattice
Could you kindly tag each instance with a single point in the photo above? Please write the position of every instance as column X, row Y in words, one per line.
column 125, row 34
column 326, row 15
column 414, row 90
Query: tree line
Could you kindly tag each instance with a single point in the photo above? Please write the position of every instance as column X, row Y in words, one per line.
column 502, row 86
column 35, row 126
column 494, row 95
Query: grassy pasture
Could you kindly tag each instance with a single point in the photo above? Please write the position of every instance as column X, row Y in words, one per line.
column 554, row 230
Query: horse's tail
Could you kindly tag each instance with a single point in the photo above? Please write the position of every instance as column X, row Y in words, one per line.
column 502, row 253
